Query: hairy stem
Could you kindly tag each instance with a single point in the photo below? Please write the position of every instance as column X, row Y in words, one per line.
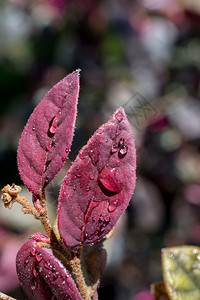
column 73, row 265
column 27, row 208
column 5, row 297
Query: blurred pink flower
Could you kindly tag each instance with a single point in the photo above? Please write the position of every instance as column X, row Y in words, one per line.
column 9, row 246
column 145, row 295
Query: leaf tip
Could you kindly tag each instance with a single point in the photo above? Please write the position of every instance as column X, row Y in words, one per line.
column 119, row 114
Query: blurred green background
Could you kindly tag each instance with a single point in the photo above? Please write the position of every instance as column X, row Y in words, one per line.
column 142, row 55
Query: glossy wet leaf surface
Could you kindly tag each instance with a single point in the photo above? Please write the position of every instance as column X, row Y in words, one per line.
column 99, row 184
column 47, row 136
column 181, row 270
column 43, row 276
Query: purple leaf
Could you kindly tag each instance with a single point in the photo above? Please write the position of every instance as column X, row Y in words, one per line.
column 40, row 237
column 99, row 184
column 47, row 136
column 94, row 262
column 43, row 276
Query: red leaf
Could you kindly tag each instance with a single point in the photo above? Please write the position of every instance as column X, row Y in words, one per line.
column 43, row 276
column 47, row 136
column 99, row 184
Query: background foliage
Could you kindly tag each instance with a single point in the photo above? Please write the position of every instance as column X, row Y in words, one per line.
column 142, row 55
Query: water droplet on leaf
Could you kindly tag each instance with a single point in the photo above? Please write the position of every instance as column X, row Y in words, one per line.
column 121, row 142
column 27, row 259
column 35, row 273
column 123, row 151
column 101, row 218
column 114, row 148
column 47, row 179
column 54, row 123
column 78, row 174
column 109, row 181
column 94, row 155
column 112, row 206
column 33, row 286
column 48, row 146
column 119, row 116
column 33, row 252
column 33, row 128
column 101, row 230
column 38, row 257
column 48, row 266
column 55, row 276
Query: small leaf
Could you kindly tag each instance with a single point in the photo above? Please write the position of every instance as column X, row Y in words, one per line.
column 40, row 237
column 47, row 136
column 93, row 264
column 43, row 276
column 181, row 270
column 99, row 184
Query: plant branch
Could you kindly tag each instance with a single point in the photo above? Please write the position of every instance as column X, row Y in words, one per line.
column 5, row 297
column 10, row 195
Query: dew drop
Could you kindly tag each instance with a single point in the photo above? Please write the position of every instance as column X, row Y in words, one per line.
column 123, row 151
column 101, row 218
column 104, row 220
column 101, row 230
column 48, row 266
column 114, row 149
column 67, row 275
column 38, row 257
column 109, row 181
column 33, row 286
column 47, row 179
column 91, row 176
column 55, row 276
column 121, row 142
column 119, row 116
column 33, row 128
column 48, row 146
column 171, row 255
column 35, row 273
column 64, row 194
column 195, row 251
column 94, row 155
column 63, row 158
column 78, row 174
column 67, row 150
column 107, row 219
column 33, row 252
column 27, row 259
column 54, row 123
column 112, row 206
column 81, row 154
column 93, row 235
column 63, row 282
